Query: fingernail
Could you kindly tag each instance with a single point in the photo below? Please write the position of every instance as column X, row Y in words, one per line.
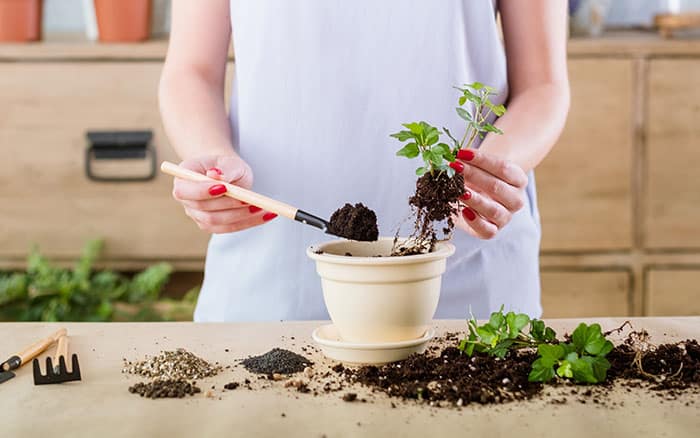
column 457, row 166
column 254, row 209
column 217, row 170
column 217, row 189
column 269, row 216
column 469, row 214
column 465, row 154
column 467, row 195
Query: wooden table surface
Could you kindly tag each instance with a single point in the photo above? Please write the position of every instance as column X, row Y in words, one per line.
column 101, row 405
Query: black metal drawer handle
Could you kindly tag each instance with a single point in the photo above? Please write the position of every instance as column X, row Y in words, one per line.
column 120, row 145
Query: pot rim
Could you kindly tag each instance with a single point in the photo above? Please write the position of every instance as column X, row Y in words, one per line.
column 442, row 251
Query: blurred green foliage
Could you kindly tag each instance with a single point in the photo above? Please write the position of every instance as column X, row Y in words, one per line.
column 48, row 293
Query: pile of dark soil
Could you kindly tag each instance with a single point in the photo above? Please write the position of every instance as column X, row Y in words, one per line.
column 354, row 222
column 276, row 361
column 170, row 388
column 435, row 201
column 452, row 377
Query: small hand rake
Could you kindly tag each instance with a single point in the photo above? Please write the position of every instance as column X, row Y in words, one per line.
column 57, row 373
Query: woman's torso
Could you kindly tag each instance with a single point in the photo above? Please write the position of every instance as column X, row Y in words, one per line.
column 319, row 86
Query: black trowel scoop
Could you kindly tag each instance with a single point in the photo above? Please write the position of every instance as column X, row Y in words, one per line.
column 351, row 222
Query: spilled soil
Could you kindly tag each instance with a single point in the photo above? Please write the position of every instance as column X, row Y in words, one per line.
column 450, row 377
column 434, row 202
column 354, row 222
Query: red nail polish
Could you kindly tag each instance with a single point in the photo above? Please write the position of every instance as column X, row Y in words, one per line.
column 269, row 216
column 469, row 214
column 467, row 195
column 217, row 170
column 457, row 166
column 465, row 154
column 254, row 209
column 217, row 189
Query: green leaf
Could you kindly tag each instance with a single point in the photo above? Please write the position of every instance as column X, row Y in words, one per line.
column 516, row 323
column 591, row 340
column 541, row 372
column 549, row 334
column 550, row 354
column 582, row 371
column 496, row 320
column 441, row 149
column 464, row 114
column 476, row 85
column 404, row 135
column 499, row 110
column 488, row 335
column 421, row 171
column 565, row 369
column 537, row 329
column 449, row 134
column 501, row 348
column 487, row 127
column 462, row 100
column 409, row 151
column 415, row 127
column 600, row 366
column 432, row 137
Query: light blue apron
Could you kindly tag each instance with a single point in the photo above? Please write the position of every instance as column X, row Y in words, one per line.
column 319, row 87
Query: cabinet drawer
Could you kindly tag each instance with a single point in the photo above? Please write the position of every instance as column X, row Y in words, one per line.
column 584, row 183
column 585, row 293
column 672, row 292
column 45, row 196
column 673, row 183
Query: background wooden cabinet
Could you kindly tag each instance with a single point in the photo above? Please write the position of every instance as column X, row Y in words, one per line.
column 673, row 155
column 584, row 185
column 672, row 291
column 47, row 109
column 585, row 293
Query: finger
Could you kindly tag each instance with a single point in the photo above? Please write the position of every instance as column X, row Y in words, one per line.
column 185, row 190
column 487, row 208
column 252, row 221
column 222, row 217
column 497, row 166
column 482, row 228
column 215, row 204
column 509, row 196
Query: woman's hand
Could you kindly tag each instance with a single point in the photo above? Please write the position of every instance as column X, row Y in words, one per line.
column 205, row 203
column 495, row 190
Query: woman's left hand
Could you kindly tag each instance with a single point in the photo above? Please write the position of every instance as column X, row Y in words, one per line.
column 495, row 190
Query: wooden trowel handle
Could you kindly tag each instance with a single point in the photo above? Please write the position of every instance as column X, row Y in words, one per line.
column 36, row 348
column 233, row 191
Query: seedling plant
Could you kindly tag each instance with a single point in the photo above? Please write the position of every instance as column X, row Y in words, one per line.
column 439, row 187
column 580, row 358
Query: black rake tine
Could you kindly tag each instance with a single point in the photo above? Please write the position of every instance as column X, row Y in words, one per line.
column 75, row 367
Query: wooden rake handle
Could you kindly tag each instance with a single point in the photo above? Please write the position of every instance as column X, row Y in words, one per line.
column 232, row 191
column 39, row 347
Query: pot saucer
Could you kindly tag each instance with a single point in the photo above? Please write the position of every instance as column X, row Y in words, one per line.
column 333, row 347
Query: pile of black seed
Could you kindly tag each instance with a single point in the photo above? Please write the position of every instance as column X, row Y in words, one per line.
column 170, row 388
column 277, row 361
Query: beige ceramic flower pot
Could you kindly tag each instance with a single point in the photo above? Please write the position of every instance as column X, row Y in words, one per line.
column 379, row 299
